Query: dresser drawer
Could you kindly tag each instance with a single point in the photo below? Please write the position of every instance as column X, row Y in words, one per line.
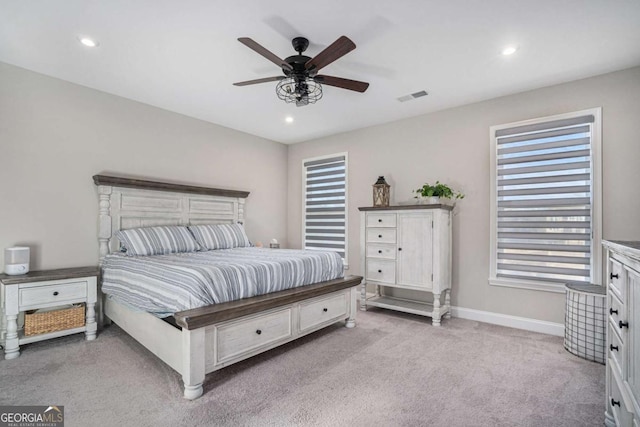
column 616, row 309
column 381, row 220
column 240, row 337
column 381, row 270
column 620, row 412
column 375, row 250
column 322, row 311
column 616, row 350
column 62, row 293
column 616, row 279
column 381, row 235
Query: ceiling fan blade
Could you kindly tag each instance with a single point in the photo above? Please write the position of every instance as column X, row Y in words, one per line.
column 256, row 81
column 354, row 85
column 264, row 52
column 335, row 50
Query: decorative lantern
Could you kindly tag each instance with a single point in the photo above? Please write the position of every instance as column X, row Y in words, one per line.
column 381, row 193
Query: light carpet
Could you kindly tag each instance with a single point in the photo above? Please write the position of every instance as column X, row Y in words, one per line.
column 391, row 370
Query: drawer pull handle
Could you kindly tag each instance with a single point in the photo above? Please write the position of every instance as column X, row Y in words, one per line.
column 380, row 271
column 379, row 220
column 379, row 236
column 623, row 324
column 379, row 252
column 613, row 347
column 325, row 309
column 614, row 276
column 612, row 311
column 258, row 332
column 615, row 402
column 55, row 294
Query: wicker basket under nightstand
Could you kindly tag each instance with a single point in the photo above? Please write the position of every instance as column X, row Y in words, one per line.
column 36, row 322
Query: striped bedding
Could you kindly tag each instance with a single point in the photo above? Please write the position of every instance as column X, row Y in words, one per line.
column 165, row 284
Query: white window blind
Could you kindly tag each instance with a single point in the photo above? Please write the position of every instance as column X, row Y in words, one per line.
column 324, row 204
column 544, row 201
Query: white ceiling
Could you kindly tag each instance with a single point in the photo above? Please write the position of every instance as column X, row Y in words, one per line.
column 183, row 56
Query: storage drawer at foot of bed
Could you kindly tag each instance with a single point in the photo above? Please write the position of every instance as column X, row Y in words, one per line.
column 238, row 338
column 323, row 310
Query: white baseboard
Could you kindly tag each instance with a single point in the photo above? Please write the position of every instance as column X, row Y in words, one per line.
column 525, row 323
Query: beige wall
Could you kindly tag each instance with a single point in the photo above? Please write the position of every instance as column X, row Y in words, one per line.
column 453, row 146
column 54, row 136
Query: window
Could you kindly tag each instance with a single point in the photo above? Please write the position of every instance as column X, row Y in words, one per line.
column 545, row 210
column 324, row 200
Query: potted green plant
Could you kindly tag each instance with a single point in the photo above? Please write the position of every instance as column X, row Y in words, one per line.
column 437, row 193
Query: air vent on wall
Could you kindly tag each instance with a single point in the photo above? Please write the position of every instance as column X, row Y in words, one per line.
column 413, row 96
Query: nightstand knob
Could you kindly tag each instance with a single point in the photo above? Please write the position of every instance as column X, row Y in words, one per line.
column 325, row 309
column 612, row 311
column 55, row 293
column 379, row 220
column 613, row 276
column 258, row 332
column 613, row 347
column 623, row 324
column 379, row 252
column 615, row 402
column 379, row 236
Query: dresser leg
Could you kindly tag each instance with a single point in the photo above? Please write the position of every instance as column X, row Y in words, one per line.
column 363, row 296
column 609, row 421
column 447, row 303
column 91, row 324
column 436, row 310
column 11, row 346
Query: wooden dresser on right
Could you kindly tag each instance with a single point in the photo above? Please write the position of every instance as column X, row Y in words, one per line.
column 623, row 333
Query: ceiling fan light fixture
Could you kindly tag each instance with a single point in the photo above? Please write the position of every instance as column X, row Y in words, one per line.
column 301, row 91
column 509, row 50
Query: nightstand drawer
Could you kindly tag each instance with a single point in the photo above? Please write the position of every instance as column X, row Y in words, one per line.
column 381, row 220
column 62, row 293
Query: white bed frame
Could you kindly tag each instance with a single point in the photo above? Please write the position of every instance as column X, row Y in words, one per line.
column 211, row 337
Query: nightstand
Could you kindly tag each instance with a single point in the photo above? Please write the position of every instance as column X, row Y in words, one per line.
column 45, row 289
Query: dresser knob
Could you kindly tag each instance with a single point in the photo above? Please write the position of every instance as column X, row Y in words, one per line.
column 379, row 220
column 399, row 249
column 379, row 236
column 380, row 271
column 612, row 311
column 325, row 309
column 55, row 294
column 379, row 252
column 613, row 347
column 258, row 332
column 613, row 276
column 623, row 324
column 615, row 402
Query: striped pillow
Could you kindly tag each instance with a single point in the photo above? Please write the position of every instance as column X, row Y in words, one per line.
column 157, row 240
column 220, row 236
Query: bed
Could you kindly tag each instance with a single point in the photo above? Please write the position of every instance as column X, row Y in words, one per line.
column 201, row 340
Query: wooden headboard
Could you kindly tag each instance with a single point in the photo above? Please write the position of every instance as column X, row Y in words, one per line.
column 129, row 203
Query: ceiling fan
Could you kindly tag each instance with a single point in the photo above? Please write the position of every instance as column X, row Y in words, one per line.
column 301, row 84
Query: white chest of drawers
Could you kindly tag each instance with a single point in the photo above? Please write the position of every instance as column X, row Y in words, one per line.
column 407, row 247
column 623, row 334
column 45, row 289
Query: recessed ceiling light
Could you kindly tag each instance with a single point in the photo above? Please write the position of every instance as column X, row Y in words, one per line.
column 288, row 119
column 509, row 50
column 88, row 42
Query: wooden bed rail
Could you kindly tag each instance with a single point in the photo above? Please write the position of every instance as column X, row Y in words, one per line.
column 203, row 316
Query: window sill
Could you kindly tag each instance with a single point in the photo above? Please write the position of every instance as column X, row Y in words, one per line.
column 528, row 284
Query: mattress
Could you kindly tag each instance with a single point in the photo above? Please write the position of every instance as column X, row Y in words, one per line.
column 165, row 284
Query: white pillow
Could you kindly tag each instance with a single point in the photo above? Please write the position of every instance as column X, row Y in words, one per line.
column 160, row 240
